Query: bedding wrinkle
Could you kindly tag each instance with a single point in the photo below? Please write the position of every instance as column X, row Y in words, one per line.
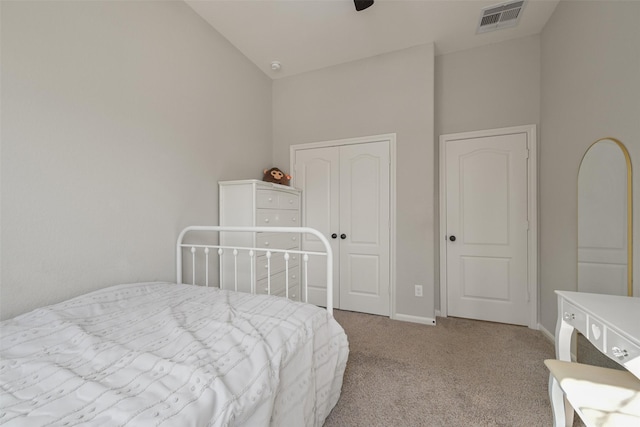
column 155, row 354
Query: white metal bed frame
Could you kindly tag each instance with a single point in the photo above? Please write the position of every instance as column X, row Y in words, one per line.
column 220, row 250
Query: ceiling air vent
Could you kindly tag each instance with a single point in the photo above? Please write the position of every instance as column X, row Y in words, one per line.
column 502, row 15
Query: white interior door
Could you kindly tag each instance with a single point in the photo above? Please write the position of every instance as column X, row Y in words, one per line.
column 487, row 228
column 318, row 175
column 346, row 196
column 364, row 228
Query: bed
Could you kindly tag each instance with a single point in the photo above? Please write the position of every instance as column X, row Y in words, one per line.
column 173, row 354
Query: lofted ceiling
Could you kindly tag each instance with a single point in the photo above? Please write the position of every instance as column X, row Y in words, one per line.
column 306, row 35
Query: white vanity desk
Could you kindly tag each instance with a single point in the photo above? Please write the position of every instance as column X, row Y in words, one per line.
column 611, row 323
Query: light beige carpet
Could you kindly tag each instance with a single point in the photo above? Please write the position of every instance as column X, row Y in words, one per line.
column 459, row 373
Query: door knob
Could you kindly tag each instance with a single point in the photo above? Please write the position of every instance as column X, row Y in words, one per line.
column 334, row 235
column 343, row 236
column 452, row 238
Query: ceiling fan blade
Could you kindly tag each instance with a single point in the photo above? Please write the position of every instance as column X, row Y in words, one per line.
column 362, row 4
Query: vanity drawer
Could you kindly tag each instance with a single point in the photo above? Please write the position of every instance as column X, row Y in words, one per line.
column 595, row 333
column 277, row 218
column 574, row 316
column 620, row 349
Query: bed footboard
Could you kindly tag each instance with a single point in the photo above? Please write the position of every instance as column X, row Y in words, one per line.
column 213, row 256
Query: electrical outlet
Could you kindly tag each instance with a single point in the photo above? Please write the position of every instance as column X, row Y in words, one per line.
column 418, row 290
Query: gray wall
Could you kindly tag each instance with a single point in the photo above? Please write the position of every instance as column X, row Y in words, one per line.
column 391, row 93
column 590, row 90
column 118, row 119
column 488, row 87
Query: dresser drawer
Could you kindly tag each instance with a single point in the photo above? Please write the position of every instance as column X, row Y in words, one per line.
column 277, row 241
column 288, row 201
column 277, row 218
column 620, row 349
column 294, row 293
column 574, row 316
column 267, row 199
column 274, row 199
column 277, row 264
column 278, row 283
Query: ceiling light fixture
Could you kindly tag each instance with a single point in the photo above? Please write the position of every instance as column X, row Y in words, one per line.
column 275, row 65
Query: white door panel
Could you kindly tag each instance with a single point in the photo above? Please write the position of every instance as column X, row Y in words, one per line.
column 364, row 220
column 486, row 205
column 345, row 191
column 317, row 174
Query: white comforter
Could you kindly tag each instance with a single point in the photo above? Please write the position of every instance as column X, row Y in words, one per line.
column 175, row 355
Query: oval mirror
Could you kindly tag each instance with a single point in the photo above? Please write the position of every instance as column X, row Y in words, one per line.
column 604, row 219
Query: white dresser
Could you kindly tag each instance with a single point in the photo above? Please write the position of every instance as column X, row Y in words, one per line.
column 258, row 203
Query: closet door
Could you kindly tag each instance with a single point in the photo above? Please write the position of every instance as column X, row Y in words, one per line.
column 317, row 174
column 364, row 228
column 345, row 193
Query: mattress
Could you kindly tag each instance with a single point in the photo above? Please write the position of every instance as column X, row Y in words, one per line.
column 153, row 354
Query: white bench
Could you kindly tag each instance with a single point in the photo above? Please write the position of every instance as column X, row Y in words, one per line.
column 600, row 396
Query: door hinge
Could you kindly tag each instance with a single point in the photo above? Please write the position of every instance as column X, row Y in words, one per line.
column 527, row 154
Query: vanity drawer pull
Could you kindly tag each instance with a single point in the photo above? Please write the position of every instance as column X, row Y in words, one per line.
column 575, row 317
column 620, row 348
column 618, row 352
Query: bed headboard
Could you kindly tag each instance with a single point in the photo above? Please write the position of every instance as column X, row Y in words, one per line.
column 204, row 248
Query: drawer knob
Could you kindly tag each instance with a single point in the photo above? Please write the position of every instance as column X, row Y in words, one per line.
column 569, row 316
column 293, row 276
column 266, row 243
column 270, row 199
column 291, row 201
column 266, row 220
column 620, row 353
column 293, row 219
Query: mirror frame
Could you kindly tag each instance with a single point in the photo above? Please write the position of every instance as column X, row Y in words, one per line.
column 627, row 157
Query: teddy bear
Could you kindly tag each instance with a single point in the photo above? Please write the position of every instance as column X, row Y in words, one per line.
column 277, row 176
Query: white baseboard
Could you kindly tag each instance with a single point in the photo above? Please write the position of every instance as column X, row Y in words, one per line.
column 551, row 337
column 415, row 319
column 548, row 335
